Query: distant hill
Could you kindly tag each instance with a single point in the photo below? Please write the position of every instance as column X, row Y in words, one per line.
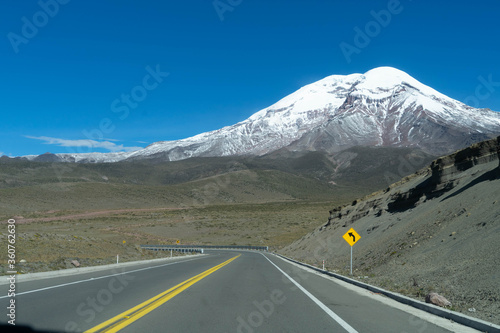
column 281, row 175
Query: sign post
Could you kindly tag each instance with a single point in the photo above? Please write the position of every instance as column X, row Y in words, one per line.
column 351, row 237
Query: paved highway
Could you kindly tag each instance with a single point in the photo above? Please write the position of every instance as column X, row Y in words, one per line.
column 224, row 291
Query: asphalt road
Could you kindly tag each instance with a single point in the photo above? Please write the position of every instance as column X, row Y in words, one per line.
column 224, row 291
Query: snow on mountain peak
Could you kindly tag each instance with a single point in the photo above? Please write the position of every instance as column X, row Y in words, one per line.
column 379, row 107
column 383, row 79
column 384, row 106
column 331, row 91
column 386, row 74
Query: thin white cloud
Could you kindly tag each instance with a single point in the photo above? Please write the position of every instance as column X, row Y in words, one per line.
column 112, row 147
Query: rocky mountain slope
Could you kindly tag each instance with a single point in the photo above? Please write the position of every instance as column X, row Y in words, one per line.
column 434, row 231
column 382, row 107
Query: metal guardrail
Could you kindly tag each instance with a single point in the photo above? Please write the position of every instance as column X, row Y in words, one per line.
column 170, row 248
column 200, row 248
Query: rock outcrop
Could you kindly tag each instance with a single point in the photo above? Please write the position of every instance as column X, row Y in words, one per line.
column 441, row 176
column 436, row 299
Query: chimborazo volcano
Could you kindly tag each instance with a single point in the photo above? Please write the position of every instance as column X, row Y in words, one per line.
column 382, row 107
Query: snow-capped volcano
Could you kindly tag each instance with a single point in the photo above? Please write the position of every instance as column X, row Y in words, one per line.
column 382, row 107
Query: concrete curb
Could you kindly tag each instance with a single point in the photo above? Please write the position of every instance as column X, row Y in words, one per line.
column 457, row 317
column 81, row 270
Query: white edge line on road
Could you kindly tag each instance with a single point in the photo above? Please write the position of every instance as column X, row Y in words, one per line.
column 99, row 277
column 412, row 311
column 332, row 314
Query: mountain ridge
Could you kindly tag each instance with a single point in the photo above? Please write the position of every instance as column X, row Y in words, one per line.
column 382, row 107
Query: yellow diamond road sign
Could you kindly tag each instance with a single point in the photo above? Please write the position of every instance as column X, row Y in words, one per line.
column 351, row 237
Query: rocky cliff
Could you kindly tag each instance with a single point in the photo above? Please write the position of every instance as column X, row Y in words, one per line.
column 441, row 176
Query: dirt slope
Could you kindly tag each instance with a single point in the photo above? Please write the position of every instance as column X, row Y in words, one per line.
column 437, row 230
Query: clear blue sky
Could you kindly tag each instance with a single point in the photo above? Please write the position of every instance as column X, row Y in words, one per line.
column 66, row 70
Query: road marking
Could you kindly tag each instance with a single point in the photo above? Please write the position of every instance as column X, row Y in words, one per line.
column 128, row 317
column 332, row 314
column 100, row 277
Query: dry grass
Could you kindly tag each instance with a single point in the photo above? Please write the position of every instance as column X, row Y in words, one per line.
column 52, row 243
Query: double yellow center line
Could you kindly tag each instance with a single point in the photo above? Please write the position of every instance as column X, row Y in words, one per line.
column 128, row 317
